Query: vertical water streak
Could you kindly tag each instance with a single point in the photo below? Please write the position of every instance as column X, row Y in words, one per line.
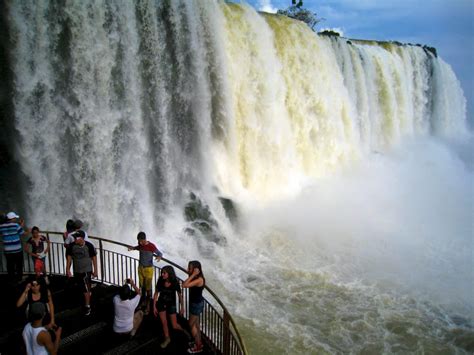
column 112, row 104
column 322, row 116
column 122, row 108
column 448, row 116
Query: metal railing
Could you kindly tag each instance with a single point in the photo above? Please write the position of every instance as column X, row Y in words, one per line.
column 217, row 326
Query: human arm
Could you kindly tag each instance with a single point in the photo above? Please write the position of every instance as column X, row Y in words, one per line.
column 44, row 339
column 48, row 245
column 29, row 249
column 157, row 253
column 23, row 230
column 24, row 296
column 194, row 280
column 93, row 256
column 94, row 266
column 135, row 287
column 180, row 298
column 68, row 265
column 132, row 248
column 51, row 309
column 155, row 299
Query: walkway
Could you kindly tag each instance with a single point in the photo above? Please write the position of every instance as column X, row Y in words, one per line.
column 84, row 334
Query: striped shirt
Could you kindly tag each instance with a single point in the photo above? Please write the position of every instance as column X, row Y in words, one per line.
column 11, row 233
column 147, row 252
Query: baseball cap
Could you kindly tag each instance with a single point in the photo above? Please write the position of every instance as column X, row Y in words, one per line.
column 11, row 215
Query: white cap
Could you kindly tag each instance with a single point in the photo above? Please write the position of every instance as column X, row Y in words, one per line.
column 11, row 215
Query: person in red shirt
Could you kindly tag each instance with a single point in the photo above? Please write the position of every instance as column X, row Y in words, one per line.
column 147, row 250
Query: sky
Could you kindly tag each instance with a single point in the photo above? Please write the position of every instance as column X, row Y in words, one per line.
column 447, row 25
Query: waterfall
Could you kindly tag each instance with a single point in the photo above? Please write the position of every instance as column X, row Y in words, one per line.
column 121, row 109
column 113, row 102
column 128, row 114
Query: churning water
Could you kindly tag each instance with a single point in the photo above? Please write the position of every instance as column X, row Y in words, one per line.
column 348, row 164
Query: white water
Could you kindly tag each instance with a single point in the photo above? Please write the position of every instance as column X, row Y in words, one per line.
column 350, row 164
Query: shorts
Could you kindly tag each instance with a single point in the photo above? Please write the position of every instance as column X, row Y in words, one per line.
column 196, row 308
column 166, row 306
column 145, row 276
column 39, row 265
column 84, row 279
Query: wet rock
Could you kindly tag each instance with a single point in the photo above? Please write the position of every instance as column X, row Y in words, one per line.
column 202, row 223
column 230, row 209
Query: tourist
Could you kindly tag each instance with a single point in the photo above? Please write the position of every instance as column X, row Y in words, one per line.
column 38, row 339
column 126, row 320
column 37, row 291
column 195, row 282
column 164, row 301
column 147, row 250
column 70, row 228
column 37, row 247
column 82, row 255
column 76, row 226
column 11, row 232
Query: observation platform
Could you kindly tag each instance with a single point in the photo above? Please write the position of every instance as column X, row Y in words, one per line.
column 93, row 334
column 82, row 334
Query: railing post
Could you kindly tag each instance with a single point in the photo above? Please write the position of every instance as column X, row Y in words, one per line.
column 226, row 334
column 101, row 261
column 49, row 253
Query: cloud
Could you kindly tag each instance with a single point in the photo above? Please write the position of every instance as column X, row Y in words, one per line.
column 266, row 6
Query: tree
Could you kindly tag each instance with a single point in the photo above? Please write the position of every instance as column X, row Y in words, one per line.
column 297, row 12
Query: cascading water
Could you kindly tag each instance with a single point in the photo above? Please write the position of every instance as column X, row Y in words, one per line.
column 345, row 160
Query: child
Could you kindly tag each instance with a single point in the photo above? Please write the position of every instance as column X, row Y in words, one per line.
column 147, row 250
column 35, row 247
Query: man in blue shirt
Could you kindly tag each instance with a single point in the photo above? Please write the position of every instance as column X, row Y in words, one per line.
column 11, row 232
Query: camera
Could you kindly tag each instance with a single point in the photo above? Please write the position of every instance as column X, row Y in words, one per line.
column 127, row 281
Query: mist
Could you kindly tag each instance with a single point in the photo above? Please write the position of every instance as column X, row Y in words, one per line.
column 401, row 221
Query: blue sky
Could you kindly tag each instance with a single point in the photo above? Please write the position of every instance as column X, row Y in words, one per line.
column 447, row 25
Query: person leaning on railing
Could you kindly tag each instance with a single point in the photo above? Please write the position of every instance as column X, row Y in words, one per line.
column 195, row 282
column 11, row 231
column 37, row 247
column 147, row 250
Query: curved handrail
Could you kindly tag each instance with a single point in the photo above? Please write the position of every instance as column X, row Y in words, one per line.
column 227, row 318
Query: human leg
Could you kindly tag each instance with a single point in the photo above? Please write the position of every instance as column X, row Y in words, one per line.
column 137, row 320
column 15, row 265
column 164, row 324
column 194, row 326
column 84, row 280
column 10, row 266
column 195, row 311
column 38, row 265
column 174, row 322
column 147, row 283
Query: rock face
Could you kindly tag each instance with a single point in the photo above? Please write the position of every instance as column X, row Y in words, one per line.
column 230, row 209
column 202, row 221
